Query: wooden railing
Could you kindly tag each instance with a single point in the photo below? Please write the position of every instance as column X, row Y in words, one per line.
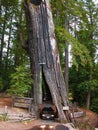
column 23, row 102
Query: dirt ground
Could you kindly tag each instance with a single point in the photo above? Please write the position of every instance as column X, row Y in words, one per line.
column 6, row 104
column 89, row 121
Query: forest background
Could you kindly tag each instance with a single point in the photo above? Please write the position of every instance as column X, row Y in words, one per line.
column 76, row 28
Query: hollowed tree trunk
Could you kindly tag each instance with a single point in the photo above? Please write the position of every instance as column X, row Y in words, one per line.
column 44, row 55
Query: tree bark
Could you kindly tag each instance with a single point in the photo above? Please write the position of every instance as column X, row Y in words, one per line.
column 44, row 55
column 88, row 99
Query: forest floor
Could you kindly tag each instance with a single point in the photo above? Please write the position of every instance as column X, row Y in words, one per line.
column 89, row 122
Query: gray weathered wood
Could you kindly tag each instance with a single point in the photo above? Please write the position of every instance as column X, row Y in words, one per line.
column 77, row 114
column 20, row 117
column 23, row 102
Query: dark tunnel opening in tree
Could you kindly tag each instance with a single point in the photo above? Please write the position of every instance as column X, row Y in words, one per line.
column 36, row 2
column 46, row 94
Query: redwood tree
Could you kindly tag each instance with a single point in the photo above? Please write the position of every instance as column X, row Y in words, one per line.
column 44, row 55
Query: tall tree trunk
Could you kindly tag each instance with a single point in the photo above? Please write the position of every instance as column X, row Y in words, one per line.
column 7, row 56
column 66, row 68
column 44, row 54
column 88, row 98
column 2, row 39
column 66, row 56
column 89, row 92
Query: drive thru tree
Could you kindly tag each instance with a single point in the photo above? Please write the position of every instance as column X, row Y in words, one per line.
column 44, row 55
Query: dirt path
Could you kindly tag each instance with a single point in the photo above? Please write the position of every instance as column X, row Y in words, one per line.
column 22, row 125
column 90, row 119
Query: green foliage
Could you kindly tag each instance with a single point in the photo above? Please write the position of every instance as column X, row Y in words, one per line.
column 61, row 44
column 78, row 49
column 1, row 84
column 3, row 117
column 12, row 17
column 94, row 105
column 82, row 38
column 80, row 83
column 86, row 85
column 21, row 81
column 95, row 71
